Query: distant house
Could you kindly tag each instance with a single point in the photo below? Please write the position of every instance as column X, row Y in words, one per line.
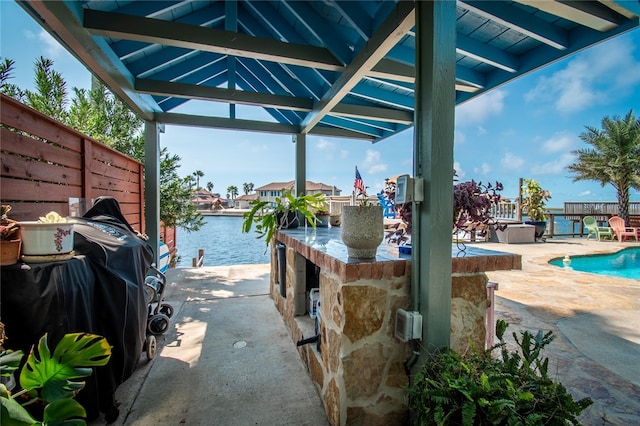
column 242, row 201
column 206, row 201
column 272, row 190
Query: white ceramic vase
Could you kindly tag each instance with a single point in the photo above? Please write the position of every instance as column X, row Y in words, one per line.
column 362, row 230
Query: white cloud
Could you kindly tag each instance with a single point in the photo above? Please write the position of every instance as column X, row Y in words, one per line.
column 484, row 169
column 373, row 162
column 460, row 174
column 482, row 131
column 459, row 137
column 52, row 49
column 254, row 148
column 554, row 167
column 560, row 142
column 324, row 144
column 481, row 108
column 593, row 77
column 585, row 193
column 511, row 161
column 344, row 153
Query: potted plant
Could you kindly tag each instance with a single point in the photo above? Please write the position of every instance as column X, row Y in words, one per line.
column 285, row 214
column 322, row 217
column 477, row 388
column 362, row 228
column 10, row 241
column 335, row 219
column 534, row 200
column 472, row 204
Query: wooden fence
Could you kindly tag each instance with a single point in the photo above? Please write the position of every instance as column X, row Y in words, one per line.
column 47, row 166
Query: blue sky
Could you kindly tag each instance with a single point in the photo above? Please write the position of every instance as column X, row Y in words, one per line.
column 526, row 128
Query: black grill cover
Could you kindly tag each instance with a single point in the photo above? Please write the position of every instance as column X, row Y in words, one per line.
column 100, row 291
column 120, row 259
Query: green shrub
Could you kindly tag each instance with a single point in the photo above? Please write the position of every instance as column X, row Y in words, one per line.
column 478, row 389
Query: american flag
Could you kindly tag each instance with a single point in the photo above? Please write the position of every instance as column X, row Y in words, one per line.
column 358, row 185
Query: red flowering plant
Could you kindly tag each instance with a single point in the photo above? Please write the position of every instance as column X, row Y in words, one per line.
column 472, row 203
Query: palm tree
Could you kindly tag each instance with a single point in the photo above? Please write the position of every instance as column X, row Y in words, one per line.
column 198, row 174
column 233, row 191
column 209, row 186
column 614, row 158
column 190, row 180
column 247, row 187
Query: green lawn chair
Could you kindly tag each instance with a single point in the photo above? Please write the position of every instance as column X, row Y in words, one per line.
column 598, row 231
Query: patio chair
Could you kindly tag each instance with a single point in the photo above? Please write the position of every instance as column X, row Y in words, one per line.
column 620, row 230
column 597, row 231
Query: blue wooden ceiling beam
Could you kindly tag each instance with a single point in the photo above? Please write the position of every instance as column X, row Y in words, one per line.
column 203, row 17
column 519, row 20
column 326, row 35
column 271, row 22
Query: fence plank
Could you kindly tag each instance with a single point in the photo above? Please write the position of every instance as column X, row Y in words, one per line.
column 107, row 184
column 101, row 169
column 114, row 158
column 22, row 211
column 24, row 145
column 16, row 189
column 27, row 168
column 38, row 176
column 15, row 114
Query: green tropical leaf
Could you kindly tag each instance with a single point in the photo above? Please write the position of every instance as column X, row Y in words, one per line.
column 64, row 411
column 72, row 359
column 14, row 414
column 9, row 362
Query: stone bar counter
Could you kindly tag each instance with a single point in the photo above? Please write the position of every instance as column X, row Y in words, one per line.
column 358, row 364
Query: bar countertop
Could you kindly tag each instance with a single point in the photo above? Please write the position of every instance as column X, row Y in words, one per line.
column 324, row 247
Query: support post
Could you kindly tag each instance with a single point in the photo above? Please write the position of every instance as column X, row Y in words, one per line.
column 519, row 212
column 301, row 163
column 433, row 161
column 152, row 185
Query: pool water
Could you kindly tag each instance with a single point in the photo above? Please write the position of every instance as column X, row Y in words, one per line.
column 625, row 263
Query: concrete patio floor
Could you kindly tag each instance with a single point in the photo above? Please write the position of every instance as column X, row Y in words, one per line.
column 228, row 359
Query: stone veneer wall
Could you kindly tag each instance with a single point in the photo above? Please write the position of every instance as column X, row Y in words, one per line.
column 360, row 373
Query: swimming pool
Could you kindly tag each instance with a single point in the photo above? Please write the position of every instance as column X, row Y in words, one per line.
column 625, row 263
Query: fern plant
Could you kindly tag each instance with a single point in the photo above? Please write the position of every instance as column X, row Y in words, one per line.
column 479, row 389
column 52, row 378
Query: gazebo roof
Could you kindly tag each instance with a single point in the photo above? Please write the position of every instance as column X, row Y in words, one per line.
column 330, row 68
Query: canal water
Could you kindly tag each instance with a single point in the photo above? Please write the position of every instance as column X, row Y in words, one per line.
column 224, row 243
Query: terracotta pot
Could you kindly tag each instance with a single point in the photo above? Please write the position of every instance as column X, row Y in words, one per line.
column 362, row 230
column 10, row 252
